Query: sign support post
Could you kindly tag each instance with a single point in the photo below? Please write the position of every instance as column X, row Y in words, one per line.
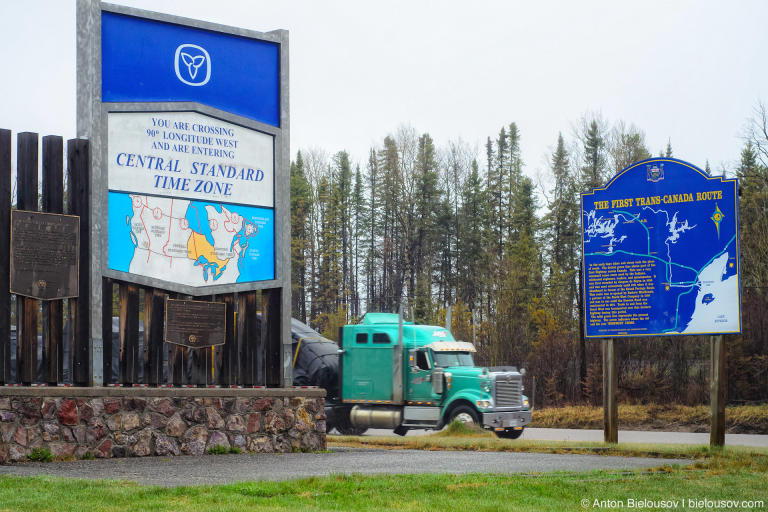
column 610, row 386
column 717, row 391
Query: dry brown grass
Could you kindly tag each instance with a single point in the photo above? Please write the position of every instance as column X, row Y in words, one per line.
column 748, row 419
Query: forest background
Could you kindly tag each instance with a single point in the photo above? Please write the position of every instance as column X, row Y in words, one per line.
column 430, row 226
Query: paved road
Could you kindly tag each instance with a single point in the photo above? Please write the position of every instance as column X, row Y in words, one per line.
column 221, row 469
column 625, row 436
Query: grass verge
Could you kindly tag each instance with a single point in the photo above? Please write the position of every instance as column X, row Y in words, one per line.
column 737, row 474
column 743, row 419
column 727, row 474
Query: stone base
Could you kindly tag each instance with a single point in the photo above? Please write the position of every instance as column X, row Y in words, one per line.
column 137, row 422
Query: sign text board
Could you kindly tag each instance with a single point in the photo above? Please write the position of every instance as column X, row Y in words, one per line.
column 661, row 253
column 44, row 254
column 195, row 324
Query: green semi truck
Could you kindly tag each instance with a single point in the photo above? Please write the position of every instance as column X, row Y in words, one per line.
column 393, row 374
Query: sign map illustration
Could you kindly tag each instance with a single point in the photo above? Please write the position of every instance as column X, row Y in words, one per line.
column 196, row 243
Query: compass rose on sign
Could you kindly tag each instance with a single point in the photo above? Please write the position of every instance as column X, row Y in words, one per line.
column 717, row 217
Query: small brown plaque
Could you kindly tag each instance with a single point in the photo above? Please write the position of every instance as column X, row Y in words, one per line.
column 44, row 254
column 195, row 324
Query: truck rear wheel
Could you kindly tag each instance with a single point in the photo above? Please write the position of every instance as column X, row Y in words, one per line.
column 465, row 414
column 345, row 427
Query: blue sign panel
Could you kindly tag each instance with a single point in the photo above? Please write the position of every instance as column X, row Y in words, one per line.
column 145, row 60
column 661, row 253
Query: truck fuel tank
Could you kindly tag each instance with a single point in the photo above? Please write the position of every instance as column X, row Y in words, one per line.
column 376, row 417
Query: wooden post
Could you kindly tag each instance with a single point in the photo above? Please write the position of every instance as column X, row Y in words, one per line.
column 176, row 357
column 106, row 329
column 242, row 339
column 226, row 356
column 610, row 386
column 271, row 346
column 53, row 202
column 154, row 321
column 250, row 333
column 78, row 164
column 129, row 334
column 26, row 316
column 5, row 256
column 717, row 391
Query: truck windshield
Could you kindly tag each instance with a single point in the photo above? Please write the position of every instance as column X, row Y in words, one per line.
column 445, row 359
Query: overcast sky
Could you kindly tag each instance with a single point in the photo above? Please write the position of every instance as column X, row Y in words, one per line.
column 688, row 71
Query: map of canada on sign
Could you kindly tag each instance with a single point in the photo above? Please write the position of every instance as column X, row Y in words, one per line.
column 660, row 252
column 195, row 243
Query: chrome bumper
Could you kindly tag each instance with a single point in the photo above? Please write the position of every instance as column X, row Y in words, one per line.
column 506, row 419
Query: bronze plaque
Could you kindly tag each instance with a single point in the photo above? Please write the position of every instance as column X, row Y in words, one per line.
column 44, row 254
column 195, row 324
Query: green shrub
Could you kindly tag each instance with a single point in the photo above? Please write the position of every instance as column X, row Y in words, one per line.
column 218, row 449
column 88, row 456
column 41, row 454
column 458, row 428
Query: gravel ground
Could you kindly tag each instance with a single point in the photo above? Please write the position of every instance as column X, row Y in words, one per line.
column 222, row 469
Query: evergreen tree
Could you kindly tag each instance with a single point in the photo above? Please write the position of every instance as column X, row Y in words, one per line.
column 300, row 205
column 514, row 177
column 753, row 205
column 593, row 170
column 472, row 262
column 374, row 255
column 563, row 234
column 342, row 202
column 422, row 246
column 329, row 275
column 359, row 232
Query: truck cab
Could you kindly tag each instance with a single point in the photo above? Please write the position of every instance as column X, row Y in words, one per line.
column 395, row 374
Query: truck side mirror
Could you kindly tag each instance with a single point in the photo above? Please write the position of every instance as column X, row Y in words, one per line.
column 437, row 381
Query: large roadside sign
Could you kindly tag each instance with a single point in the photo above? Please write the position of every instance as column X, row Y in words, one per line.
column 660, row 252
column 188, row 123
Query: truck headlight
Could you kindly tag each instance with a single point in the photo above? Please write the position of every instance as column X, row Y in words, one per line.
column 525, row 403
column 484, row 404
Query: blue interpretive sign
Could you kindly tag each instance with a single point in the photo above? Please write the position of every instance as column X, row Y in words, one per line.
column 660, row 253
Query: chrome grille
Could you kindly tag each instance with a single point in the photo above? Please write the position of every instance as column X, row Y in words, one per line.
column 508, row 391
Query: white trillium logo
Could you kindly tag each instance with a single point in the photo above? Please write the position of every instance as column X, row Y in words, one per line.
column 192, row 64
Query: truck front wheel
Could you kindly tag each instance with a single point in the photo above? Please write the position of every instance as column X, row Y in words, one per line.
column 465, row 414
column 349, row 430
column 509, row 433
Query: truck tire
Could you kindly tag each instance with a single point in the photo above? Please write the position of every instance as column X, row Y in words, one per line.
column 349, row 430
column 465, row 414
column 510, row 433
column 345, row 427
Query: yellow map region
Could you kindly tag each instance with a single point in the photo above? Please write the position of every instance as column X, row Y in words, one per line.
column 197, row 246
